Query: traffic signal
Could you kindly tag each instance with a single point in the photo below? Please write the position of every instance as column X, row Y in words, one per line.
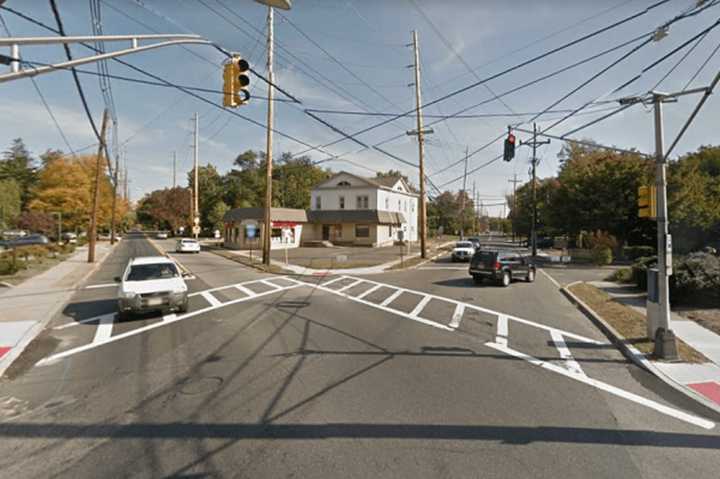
column 647, row 208
column 509, row 150
column 236, row 82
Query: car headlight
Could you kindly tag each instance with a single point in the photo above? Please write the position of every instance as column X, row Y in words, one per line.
column 127, row 294
column 179, row 292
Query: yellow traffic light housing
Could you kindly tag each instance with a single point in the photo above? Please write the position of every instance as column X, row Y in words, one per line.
column 236, row 82
column 647, row 206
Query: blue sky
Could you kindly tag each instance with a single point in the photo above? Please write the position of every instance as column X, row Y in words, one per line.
column 369, row 38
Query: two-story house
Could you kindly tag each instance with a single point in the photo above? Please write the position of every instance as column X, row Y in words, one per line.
column 353, row 210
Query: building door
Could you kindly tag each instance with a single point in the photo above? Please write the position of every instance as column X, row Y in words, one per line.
column 326, row 233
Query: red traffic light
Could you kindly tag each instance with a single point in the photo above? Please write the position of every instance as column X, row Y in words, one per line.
column 511, row 138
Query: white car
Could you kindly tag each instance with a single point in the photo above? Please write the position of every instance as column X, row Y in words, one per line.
column 152, row 283
column 161, row 235
column 187, row 245
column 463, row 251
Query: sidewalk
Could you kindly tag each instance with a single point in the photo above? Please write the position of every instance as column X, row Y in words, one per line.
column 701, row 378
column 366, row 252
column 28, row 307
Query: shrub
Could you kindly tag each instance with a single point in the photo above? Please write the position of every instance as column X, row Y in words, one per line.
column 39, row 253
column 634, row 252
column 622, row 275
column 8, row 267
column 639, row 270
column 600, row 239
column 602, row 255
column 696, row 273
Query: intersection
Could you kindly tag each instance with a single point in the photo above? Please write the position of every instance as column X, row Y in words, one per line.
column 271, row 372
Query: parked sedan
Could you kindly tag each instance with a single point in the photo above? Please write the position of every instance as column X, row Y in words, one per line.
column 33, row 239
column 162, row 235
column 187, row 245
column 463, row 251
column 501, row 267
column 152, row 283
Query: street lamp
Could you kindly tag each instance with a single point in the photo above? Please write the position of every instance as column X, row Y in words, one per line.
column 281, row 4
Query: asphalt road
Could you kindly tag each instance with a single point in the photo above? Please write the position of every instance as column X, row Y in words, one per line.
column 376, row 376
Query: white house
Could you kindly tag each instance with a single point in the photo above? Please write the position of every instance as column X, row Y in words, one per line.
column 350, row 209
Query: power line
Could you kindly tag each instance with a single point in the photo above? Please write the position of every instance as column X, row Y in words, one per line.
column 704, row 64
column 512, row 68
column 61, row 31
column 44, row 102
column 450, row 116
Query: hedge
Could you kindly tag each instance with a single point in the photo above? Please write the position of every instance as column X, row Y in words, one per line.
column 634, row 252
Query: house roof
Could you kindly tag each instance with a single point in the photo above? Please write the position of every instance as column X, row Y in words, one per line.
column 369, row 217
column 385, row 182
column 276, row 214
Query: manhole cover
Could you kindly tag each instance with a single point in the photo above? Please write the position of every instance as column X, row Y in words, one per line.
column 202, row 385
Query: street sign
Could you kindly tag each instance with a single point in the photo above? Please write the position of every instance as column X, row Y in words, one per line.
column 196, row 220
column 250, row 230
column 196, row 230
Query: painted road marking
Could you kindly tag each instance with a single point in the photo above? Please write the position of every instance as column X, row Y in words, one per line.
column 70, row 352
column 392, row 297
column 169, row 317
column 565, row 353
column 334, row 280
column 211, row 299
column 369, row 291
column 453, row 268
column 104, row 329
column 502, row 330
column 420, row 306
column 245, row 290
column 457, row 316
column 105, row 285
column 354, row 283
column 676, row 413
column 76, row 323
column 272, row 285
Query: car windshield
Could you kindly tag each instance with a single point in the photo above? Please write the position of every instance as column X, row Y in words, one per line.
column 189, row 241
column 145, row 272
column 463, row 244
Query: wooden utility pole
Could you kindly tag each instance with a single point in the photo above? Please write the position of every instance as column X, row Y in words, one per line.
column 267, row 226
column 462, row 198
column 96, row 191
column 174, row 170
column 114, row 199
column 533, row 227
column 421, row 149
column 514, row 181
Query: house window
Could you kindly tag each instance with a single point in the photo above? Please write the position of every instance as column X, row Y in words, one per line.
column 318, row 202
column 362, row 202
column 387, row 203
column 412, row 207
column 342, row 202
column 399, row 205
column 362, row 231
column 344, row 184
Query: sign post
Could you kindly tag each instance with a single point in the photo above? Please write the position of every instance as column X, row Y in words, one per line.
column 250, row 233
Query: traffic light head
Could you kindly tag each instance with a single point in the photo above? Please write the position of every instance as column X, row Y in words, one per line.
column 509, row 149
column 646, row 202
column 236, row 81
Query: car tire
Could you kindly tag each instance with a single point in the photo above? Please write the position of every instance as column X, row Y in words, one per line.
column 184, row 308
column 530, row 276
column 477, row 279
column 123, row 316
column 505, row 279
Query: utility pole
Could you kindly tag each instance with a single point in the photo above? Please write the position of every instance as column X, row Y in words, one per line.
column 127, row 184
column 421, row 147
column 114, row 199
column 267, row 223
column 96, row 191
column 534, row 144
column 462, row 198
column 514, row 181
column 174, row 170
column 665, row 342
column 196, row 208
column 475, row 216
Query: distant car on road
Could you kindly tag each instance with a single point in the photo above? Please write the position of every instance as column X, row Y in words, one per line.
column 69, row 237
column 463, row 251
column 151, row 283
column 162, row 235
column 32, row 239
column 187, row 245
column 475, row 241
column 501, row 267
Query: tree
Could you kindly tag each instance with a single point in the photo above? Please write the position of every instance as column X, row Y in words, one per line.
column 445, row 210
column 67, row 185
column 17, row 164
column 10, row 202
column 37, row 222
column 293, row 180
column 216, row 215
column 166, row 209
column 210, row 191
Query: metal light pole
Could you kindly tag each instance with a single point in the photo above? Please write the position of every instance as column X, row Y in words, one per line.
column 196, row 207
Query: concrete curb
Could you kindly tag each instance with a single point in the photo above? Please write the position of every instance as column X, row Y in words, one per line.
column 36, row 329
column 632, row 353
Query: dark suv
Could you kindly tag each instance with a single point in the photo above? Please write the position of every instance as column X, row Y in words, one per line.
column 501, row 267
